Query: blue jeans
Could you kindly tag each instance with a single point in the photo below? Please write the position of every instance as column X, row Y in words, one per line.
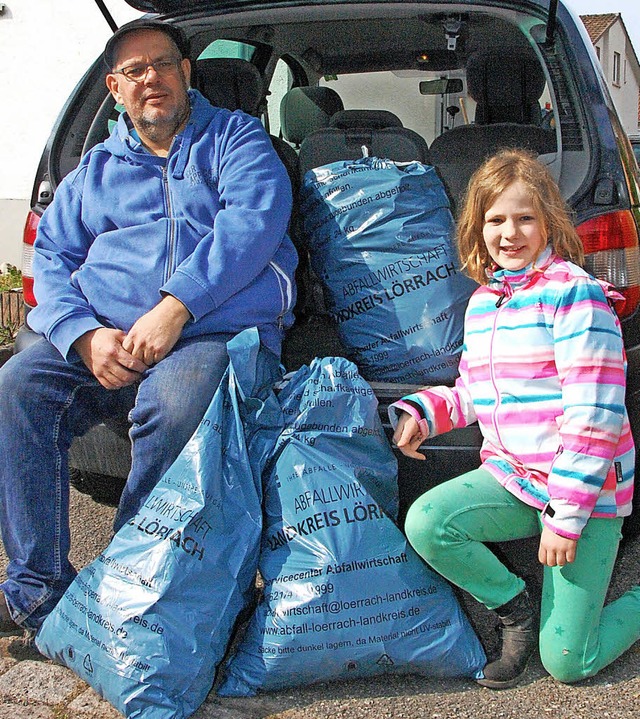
column 45, row 402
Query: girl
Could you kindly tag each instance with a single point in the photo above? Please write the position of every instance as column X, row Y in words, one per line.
column 543, row 373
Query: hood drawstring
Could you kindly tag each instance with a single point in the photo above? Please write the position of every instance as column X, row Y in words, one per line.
column 185, row 139
column 505, row 294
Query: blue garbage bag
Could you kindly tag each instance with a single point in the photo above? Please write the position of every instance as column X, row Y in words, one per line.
column 381, row 240
column 345, row 596
column 147, row 623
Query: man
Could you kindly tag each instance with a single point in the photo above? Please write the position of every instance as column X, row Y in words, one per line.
column 168, row 239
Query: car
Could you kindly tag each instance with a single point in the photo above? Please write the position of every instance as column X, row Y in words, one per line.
column 446, row 83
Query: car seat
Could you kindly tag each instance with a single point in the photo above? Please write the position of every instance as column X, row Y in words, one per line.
column 507, row 87
column 236, row 84
column 353, row 133
column 306, row 109
column 374, row 119
column 303, row 110
column 232, row 83
column 348, row 132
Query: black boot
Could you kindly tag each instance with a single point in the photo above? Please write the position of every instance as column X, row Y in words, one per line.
column 519, row 626
column 7, row 626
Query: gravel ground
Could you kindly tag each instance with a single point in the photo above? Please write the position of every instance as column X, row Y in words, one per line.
column 614, row 693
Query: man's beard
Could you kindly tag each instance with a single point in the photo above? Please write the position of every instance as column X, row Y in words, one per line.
column 160, row 128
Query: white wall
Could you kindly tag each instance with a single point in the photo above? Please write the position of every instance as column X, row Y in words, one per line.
column 625, row 94
column 45, row 47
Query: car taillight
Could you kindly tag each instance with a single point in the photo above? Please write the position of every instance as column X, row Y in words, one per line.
column 612, row 254
column 28, row 238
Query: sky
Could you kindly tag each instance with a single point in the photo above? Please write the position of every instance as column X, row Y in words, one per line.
column 629, row 9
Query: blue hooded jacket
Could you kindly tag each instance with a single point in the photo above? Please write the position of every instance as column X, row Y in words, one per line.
column 207, row 224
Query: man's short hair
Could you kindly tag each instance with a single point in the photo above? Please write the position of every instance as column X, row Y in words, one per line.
column 175, row 33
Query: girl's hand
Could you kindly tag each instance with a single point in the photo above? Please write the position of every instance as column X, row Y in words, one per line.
column 408, row 436
column 556, row 550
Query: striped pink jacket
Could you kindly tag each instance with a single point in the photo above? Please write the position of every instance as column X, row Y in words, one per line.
column 543, row 373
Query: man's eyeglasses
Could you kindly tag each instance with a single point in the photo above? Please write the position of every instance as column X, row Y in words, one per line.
column 138, row 73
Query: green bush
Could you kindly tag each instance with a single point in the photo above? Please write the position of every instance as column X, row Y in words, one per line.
column 11, row 279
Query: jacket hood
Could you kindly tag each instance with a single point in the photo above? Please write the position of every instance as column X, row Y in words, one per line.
column 123, row 141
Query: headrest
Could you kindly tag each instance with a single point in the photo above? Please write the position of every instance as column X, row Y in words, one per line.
column 232, row 83
column 306, row 109
column 506, row 86
column 333, row 144
column 373, row 119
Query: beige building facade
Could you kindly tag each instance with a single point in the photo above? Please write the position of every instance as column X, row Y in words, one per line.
column 619, row 63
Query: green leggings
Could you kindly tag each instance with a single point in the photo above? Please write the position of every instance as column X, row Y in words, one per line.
column 579, row 636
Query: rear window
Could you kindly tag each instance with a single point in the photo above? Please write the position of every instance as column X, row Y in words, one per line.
column 415, row 98
column 228, row 48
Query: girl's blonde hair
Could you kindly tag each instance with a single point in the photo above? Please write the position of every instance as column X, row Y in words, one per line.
column 491, row 179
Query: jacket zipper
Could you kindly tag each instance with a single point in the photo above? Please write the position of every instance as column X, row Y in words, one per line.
column 170, row 266
column 503, row 297
column 286, row 290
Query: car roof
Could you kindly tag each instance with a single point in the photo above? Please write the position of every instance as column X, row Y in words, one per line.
column 399, row 27
column 177, row 6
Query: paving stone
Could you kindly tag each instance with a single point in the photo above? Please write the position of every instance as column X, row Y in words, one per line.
column 6, row 663
column 32, row 681
column 236, row 708
column 90, row 704
column 17, row 647
column 216, row 711
column 18, row 711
